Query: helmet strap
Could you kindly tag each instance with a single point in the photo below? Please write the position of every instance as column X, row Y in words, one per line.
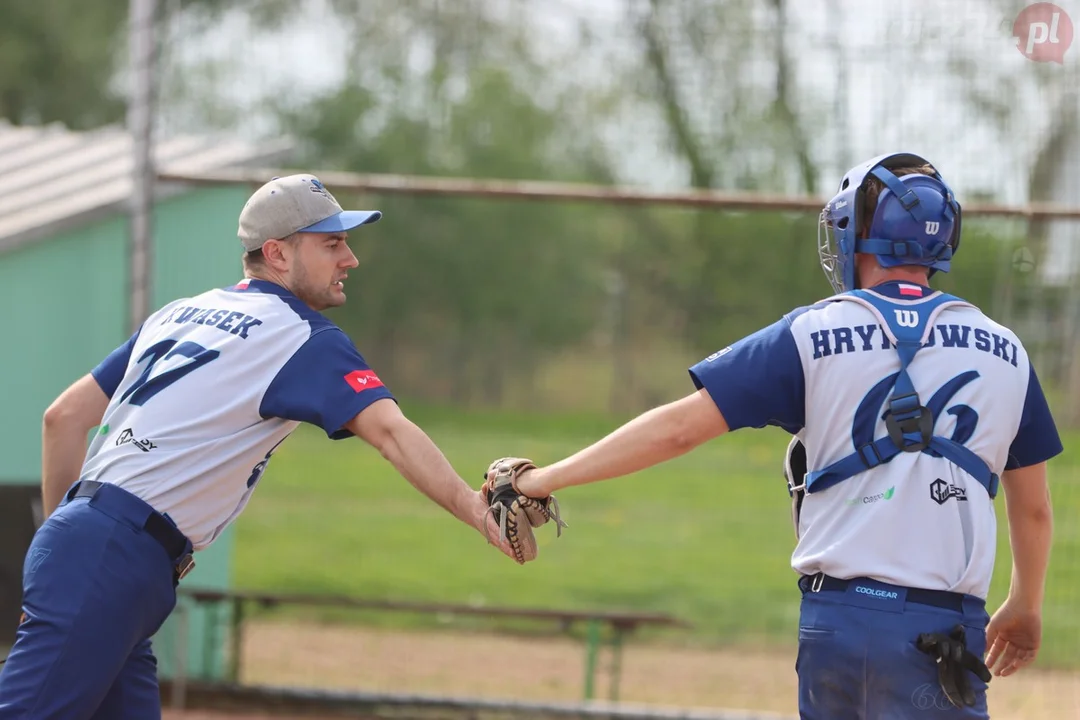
column 896, row 248
column 905, row 195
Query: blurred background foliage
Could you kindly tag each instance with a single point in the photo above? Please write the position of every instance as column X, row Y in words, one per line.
column 591, row 306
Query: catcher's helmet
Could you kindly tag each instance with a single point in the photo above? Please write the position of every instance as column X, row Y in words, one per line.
column 916, row 222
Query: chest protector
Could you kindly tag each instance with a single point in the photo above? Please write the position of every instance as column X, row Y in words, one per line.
column 908, row 422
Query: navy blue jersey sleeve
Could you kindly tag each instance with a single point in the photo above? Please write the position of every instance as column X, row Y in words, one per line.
column 758, row 381
column 326, row 383
column 110, row 371
column 1037, row 437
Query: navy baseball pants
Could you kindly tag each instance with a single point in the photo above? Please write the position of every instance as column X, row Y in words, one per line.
column 96, row 586
column 857, row 656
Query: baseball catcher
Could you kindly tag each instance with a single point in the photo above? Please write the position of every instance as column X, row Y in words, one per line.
column 517, row 514
column 909, row 408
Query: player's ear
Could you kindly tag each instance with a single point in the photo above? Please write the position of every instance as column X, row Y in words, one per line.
column 275, row 254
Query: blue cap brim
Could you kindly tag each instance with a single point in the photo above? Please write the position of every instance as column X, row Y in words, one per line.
column 344, row 221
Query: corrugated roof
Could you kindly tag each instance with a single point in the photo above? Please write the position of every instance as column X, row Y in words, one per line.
column 52, row 178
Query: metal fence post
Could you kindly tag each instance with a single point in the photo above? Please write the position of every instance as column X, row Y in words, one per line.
column 179, row 684
column 235, row 640
column 616, row 662
column 592, row 648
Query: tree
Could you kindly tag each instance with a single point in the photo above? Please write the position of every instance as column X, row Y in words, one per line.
column 1033, row 111
column 458, row 277
column 63, row 61
column 58, row 59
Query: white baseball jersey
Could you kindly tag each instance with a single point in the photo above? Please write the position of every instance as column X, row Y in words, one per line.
column 210, row 386
column 918, row 520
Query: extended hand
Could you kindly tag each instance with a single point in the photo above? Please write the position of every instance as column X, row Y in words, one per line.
column 486, row 525
column 517, row 514
column 1012, row 638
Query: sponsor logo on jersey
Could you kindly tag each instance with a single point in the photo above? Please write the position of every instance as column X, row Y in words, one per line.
column 718, row 354
column 871, row 499
column 874, row 592
column 127, row 436
column 941, row 492
column 360, row 380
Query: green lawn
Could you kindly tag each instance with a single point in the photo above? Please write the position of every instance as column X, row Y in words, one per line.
column 706, row 537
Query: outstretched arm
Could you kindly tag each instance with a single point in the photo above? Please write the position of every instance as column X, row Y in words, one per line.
column 651, row 438
column 419, row 460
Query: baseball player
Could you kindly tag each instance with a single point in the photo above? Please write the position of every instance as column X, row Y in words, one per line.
column 189, row 412
column 908, row 409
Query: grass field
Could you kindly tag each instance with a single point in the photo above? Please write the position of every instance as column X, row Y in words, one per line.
column 706, row 537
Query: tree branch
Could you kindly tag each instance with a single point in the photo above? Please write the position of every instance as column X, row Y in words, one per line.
column 701, row 173
column 782, row 104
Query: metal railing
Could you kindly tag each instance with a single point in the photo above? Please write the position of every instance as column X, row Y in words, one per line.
column 620, row 625
column 582, row 192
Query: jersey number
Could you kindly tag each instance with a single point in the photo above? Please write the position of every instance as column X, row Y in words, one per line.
column 146, row 387
column 862, row 431
column 258, row 470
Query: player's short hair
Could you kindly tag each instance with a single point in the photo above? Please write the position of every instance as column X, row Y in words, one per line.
column 254, row 260
column 873, row 192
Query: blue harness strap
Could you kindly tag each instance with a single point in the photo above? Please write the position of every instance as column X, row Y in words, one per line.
column 910, row 425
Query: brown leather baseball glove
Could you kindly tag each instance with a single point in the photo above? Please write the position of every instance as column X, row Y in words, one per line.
column 517, row 514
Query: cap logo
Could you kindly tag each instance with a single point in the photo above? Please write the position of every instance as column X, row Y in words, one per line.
column 317, row 187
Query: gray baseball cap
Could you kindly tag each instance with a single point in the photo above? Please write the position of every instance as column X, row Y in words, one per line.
column 295, row 203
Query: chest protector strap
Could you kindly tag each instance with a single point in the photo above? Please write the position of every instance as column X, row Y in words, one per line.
column 909, row 423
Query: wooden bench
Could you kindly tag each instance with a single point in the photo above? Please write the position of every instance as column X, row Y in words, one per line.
column 619, row 624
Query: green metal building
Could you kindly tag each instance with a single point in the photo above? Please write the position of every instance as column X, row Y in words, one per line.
column 65, row 292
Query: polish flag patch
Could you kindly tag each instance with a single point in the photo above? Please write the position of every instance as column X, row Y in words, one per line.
column 360, row 380
column 243, row 284
column 910, row 290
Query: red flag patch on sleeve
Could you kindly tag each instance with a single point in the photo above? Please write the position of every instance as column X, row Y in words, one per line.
column 360, row 380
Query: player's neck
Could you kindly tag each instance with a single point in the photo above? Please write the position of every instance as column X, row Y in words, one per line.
column 873, row 274
column 266, row 276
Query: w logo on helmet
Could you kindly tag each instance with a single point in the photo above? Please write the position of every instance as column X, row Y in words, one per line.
column 932, row 228
column 907, row 318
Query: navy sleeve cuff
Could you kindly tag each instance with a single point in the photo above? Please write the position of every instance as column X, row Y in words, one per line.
column 325, row 383
column 757, row 381
column 109, row 373
column 1037, row 438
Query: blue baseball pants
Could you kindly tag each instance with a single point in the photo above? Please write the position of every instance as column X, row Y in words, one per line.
column 857, row 656
column 96, row 587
